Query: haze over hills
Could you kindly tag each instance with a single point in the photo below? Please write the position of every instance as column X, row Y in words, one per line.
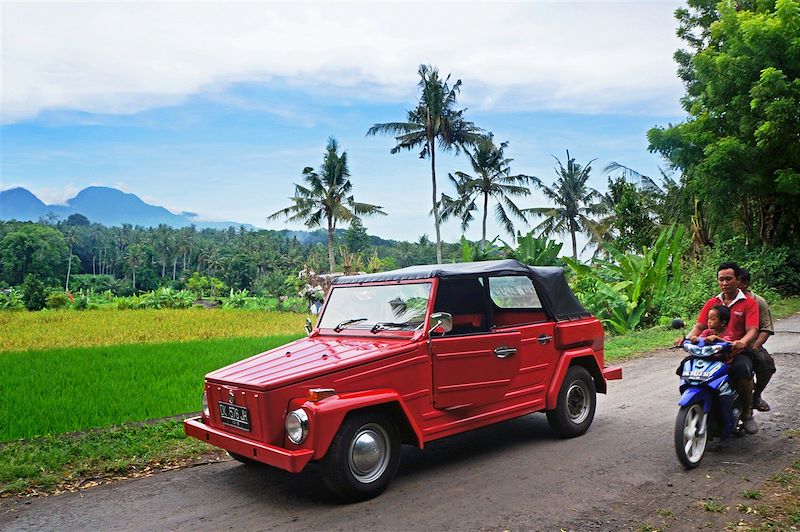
column 112, row 207
column 105, row 205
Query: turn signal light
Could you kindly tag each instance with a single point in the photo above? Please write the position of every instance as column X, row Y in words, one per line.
column 318, row 394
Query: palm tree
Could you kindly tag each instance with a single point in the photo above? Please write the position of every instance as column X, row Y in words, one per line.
column 434, row 121
column 71, row 238
column 574, row 203
column 134, row 255
column 325, row 198
column 492, row 179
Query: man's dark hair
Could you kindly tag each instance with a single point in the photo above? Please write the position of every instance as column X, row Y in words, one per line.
column 744, row 276
column 723, row 312
column 730, row 266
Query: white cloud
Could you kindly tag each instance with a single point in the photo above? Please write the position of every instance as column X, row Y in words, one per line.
column 53, row 195
column 122, row 58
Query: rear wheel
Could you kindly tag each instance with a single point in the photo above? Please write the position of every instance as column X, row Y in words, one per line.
column 576, row 403
column 363, row 457
column 691, row 435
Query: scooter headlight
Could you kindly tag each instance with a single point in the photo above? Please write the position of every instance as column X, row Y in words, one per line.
column 297, row 425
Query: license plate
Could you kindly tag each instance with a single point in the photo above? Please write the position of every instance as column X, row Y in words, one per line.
column 234, row 416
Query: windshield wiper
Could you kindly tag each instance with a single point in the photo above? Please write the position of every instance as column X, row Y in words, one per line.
column 345, row 323
column 381, row 325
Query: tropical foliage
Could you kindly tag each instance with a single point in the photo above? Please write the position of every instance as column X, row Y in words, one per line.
column 574, row 204
column 434, row 122
column 535, row 251
column 627, row 291
column 492, row 179
column 327, row 198
column 737, row 150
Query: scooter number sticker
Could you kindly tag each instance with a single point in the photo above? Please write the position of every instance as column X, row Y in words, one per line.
column 695, row 374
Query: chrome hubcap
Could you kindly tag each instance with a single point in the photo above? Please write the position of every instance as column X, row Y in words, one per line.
column 369, row 453
column 578, row 402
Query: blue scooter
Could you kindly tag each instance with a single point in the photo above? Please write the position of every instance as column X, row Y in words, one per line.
column 709, row 405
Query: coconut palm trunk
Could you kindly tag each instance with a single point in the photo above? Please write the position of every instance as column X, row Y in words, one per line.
column 331, row 257
column 436, row 220
column 69, row 270
column 485, row 213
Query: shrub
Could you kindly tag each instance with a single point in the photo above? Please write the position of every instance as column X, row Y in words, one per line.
column 33, row 293
column 57, row 300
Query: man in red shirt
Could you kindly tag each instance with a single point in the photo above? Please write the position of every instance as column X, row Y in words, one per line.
column 743, row 330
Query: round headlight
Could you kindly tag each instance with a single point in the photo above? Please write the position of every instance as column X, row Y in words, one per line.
column 297, row 425
column 206, row 411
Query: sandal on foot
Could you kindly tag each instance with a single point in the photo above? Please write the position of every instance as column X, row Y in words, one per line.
column 760, row 405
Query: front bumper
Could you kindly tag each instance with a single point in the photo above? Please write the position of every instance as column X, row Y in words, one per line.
column 292, row 461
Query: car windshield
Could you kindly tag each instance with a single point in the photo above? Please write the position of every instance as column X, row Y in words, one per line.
column 376, row 308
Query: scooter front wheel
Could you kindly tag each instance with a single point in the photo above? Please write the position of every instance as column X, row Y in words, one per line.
column 691, row 435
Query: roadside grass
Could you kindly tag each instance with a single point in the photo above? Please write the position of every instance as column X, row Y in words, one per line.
column 786, row 306
column 50, row 329
column 638, row 342
column 779, row 507
column 67, row 462
column 63, row 390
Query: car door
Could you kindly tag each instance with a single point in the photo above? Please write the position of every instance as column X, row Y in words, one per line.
column 471, row 364
column 474, row 369
column 515, row 306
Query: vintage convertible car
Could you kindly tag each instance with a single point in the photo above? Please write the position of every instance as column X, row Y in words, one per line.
column 410, row 356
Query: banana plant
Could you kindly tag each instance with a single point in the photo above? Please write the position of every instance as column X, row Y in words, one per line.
column 534, row 251
column 471, row 251
column 627, row 288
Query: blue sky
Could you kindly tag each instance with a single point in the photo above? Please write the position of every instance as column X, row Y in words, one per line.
column 216, row 108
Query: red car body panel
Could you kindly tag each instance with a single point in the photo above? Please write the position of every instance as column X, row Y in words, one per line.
column 436, row 387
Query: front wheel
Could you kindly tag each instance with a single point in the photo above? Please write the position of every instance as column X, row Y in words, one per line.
column 691, row 435
column 575, row 405
column 363, row 457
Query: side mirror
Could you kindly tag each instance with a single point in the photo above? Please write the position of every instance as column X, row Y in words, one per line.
column 677, row 323
column 308, row 327
column 441, row 322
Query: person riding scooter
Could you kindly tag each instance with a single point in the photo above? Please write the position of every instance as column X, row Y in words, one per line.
column 742, row 330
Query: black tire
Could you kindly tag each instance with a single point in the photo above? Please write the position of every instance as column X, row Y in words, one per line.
column 244, row 460
column 354, row 476
column 689, row 445
column 576, row 404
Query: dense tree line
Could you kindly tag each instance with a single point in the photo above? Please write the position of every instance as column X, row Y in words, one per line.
column 138, row 259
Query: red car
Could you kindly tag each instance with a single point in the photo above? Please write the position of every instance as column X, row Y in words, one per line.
column 410, row 356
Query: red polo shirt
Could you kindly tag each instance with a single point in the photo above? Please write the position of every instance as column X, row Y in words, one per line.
column 744, row 315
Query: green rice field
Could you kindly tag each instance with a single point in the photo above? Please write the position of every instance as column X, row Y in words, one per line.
column 63, row 390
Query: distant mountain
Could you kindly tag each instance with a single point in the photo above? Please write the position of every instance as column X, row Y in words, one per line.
column 20, row 204
column 104, row 205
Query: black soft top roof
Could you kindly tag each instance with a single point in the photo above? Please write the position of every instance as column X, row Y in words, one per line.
column 550, row 283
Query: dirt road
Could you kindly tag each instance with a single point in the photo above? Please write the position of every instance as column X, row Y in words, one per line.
column 622, row 474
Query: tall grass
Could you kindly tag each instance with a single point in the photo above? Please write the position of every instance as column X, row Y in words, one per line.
column 68, row 329
column 62, row 390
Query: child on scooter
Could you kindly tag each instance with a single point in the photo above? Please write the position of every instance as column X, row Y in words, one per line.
column 718, row 318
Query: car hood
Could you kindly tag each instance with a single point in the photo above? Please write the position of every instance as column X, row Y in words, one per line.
column 306, row 358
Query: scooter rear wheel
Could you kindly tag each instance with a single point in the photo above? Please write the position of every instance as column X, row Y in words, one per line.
column 690, row 442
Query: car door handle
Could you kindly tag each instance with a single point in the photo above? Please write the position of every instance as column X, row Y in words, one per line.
column 543, row 339
column 504, row 352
